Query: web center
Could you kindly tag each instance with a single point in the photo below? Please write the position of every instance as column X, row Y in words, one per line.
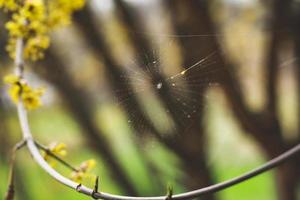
column 159, row 85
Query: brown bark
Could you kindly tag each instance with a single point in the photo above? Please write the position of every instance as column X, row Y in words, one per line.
column 295, row 27
column 294, row 173
column 278, row 29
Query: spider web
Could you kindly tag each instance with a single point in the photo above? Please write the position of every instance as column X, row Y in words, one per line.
column 166, row 98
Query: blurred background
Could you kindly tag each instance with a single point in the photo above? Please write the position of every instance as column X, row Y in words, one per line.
column 188, row 93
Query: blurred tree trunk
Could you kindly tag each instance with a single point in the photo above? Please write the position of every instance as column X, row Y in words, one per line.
column 288, row 174
column 295, row 27
column 294, row 22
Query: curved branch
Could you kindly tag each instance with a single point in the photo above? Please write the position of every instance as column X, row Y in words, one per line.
column 188, row 195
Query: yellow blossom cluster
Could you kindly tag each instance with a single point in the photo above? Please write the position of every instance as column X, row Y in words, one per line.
column 19, row 89
column 32, row 20
column 83, row 171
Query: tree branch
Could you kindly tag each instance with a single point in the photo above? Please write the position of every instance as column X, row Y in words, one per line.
column 279, row 17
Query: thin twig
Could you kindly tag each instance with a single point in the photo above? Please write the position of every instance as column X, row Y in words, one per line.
column 53, row 155
column 34, row 150
column 11, row 184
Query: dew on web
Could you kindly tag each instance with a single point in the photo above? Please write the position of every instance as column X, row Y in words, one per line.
column 159, row 85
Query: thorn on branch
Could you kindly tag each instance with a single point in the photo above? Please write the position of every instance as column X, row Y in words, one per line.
column 78, row 188
column 95, row 188
column 169, row 192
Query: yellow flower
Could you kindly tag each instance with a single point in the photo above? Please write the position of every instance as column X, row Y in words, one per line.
column 32, row 97
column 35, row 46
column 20, row 89
column 58, row 149
column 14, row 92
column 15, row 86
column 11, row 79
column 83, row 171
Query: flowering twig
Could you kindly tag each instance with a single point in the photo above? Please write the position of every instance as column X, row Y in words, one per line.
column 34, row 150
column 50, row 153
